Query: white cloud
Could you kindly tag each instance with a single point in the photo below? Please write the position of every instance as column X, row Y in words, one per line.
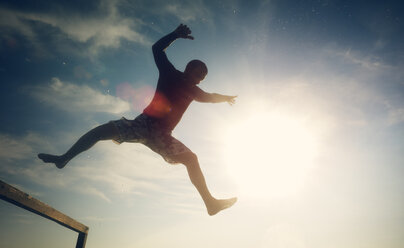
column 127, row 169
column 98, row 32
column 71, row 97
column 9, row 18
column 347, row 87
column 367, row 62
column 338, row 87
column 188, row 11
column 98, row 219
column 13, row 149
column 372, row 83
column 93, row 191
column 19, row 148
column 27, row 190
column 104, row 28
column 11, row 22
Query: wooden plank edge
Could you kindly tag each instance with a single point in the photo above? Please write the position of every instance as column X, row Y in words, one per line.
column 25, row 201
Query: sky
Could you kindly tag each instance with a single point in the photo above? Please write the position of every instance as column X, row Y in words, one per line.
column 313, row 147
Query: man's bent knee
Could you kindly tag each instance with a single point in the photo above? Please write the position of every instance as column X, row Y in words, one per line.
column 192, row 159
column 188, row 159
column 106, row 131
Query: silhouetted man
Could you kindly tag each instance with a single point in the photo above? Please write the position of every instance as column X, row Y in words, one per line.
column 175, row 91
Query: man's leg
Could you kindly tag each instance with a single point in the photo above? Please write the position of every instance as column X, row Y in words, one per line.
column 103, row 132
column 213, row 205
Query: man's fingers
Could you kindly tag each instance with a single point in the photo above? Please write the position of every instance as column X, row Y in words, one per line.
column 184, row 31
column 232, row 100
column 187, row 30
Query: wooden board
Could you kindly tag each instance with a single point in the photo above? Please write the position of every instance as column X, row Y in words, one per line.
column 23, row 200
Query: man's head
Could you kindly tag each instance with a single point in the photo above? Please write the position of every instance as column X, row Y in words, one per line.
column 196, row 71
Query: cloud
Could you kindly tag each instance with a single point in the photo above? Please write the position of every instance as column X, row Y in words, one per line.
column 98, row 32
column 117, row 181
column 48, row 176
column 88, row 34
column 374, row 87
column 99, row 219
column 10, row 19
column 93, row 191
column 339, row 87
column 127, row 169
column 11, row 23
column 369, row 62
column 188, row 11
column 71, row 97
column 27, row 190
column 12, row 148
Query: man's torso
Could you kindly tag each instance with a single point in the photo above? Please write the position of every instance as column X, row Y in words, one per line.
column 171, row 99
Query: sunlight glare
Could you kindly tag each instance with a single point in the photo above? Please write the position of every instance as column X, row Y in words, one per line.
column 269, row 154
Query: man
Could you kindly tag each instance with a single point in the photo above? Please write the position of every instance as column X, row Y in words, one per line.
column 175, row 91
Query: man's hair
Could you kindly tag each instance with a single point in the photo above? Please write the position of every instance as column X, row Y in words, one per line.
column 196, row 64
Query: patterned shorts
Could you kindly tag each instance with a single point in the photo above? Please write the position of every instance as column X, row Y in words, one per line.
column 146, row 131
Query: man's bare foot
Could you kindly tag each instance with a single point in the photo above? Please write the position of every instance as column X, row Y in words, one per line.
column 218, row 205
column 57, row 160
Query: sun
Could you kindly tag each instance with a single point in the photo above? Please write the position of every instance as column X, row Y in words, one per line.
column 269, row 154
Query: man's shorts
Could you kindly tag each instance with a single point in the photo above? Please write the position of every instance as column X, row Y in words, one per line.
column 147, row 131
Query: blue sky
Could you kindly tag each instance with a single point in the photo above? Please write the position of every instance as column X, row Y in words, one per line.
column 312, row 148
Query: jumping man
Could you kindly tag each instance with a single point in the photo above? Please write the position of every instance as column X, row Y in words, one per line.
column 175, row 91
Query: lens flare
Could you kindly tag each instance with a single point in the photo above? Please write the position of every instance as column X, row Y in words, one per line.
column 138, row 97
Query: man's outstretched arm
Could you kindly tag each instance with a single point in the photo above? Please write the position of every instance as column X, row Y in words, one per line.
column 203, row 96
column 160, row 57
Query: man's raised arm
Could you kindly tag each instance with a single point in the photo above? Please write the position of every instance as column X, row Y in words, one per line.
column 160, row 57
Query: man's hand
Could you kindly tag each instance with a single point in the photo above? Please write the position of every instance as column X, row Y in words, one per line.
column 231, row 99
column 183, row 32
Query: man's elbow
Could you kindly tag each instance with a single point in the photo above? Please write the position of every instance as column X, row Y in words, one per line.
column 154, row 48
column 157, row 50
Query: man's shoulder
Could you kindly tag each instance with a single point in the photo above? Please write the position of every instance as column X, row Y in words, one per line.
column 179, row 73
column 171, row 71
column 195, row 91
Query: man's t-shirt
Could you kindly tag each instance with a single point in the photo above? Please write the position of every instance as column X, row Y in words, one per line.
column 174, row 92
